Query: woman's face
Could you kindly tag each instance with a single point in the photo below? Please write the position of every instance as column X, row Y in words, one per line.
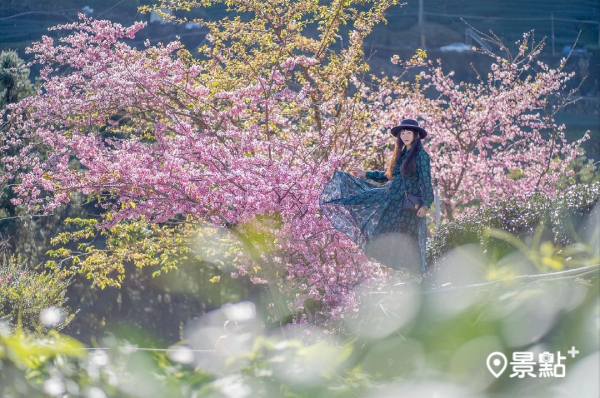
column 407, row 136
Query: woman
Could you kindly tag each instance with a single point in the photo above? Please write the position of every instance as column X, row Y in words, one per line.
column 372, row 216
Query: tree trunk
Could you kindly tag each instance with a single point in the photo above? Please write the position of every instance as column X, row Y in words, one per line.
column 449, row 210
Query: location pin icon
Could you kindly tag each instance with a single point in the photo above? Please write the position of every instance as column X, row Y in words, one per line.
column 496, row 363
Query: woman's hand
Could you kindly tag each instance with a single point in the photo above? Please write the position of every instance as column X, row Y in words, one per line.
column 422, row 211
column 359, row 173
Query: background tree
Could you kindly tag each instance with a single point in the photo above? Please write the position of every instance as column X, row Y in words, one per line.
column 14, row 78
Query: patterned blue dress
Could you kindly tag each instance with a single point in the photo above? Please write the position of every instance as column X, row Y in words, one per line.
column 373, row 218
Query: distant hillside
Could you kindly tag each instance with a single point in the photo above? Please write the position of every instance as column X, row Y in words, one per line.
column 510, row 18
column 22, row 21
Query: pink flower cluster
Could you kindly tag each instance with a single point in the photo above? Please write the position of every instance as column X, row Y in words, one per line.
column 6, row 279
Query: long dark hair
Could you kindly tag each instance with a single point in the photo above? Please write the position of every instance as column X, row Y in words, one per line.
column 410, row 162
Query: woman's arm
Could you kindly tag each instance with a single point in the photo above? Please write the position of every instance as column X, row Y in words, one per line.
column 424, row 173
column 376, row 175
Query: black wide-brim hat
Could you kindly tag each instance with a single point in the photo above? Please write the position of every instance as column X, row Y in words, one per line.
column 409, row 124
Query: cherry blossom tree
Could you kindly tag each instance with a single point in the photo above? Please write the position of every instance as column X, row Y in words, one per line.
column 492, row 139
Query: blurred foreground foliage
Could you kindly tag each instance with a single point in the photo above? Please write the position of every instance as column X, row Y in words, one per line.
column 411, row 342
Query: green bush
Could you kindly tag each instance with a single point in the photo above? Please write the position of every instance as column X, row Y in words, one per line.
column 25, row 292
column 559, row 218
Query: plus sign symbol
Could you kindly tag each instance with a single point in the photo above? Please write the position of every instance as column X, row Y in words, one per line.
column 573, row 352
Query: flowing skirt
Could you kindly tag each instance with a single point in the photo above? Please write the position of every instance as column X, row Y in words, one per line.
column 356, row 207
